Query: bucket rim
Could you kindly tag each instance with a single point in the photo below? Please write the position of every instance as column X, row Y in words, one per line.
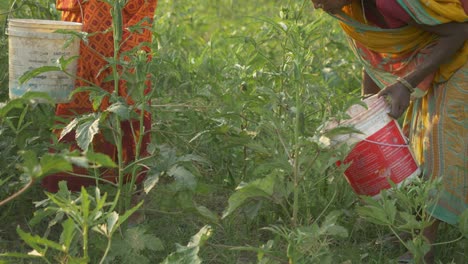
column 376, row 106
column 34, row 34
column 29, row 22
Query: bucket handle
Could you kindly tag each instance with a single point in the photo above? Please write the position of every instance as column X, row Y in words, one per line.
column 9, row 15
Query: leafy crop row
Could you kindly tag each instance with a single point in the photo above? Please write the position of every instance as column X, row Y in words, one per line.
column 239, row 171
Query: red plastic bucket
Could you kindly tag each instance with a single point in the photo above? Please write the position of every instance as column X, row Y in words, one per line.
column 381, row 153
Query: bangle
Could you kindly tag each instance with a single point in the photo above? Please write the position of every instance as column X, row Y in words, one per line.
column 406, row 84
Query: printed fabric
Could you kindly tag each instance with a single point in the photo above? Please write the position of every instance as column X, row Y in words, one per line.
column 437, row 119
column 92, row 68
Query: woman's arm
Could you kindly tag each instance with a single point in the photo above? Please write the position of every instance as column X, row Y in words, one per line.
column 369, row 87
column 452, row 37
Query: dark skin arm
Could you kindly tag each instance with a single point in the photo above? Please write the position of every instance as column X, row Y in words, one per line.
column 452, row 36
column 369, row 87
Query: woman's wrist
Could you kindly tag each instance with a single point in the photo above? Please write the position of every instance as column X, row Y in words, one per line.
column 405, row 83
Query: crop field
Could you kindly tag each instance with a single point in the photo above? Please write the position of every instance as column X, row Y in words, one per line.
column 238, row 172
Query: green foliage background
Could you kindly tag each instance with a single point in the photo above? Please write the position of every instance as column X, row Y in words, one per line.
column 243, row 89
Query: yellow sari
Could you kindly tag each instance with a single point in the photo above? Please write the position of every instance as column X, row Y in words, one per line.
column 437, row 120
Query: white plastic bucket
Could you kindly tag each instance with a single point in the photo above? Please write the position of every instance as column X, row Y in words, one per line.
column 380, row 154
column 32, row 44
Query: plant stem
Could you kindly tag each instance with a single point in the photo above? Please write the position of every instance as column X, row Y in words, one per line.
column 139, row 139
column 97, row 178
column 109, row 242
column 449, row 242
column 117, row 24
column 85, row 240
column 326, row 207
column 416, row 256
column 396, row 234
column 118, row 145
column 297, row 139
column 46, row 260
column 18, row 193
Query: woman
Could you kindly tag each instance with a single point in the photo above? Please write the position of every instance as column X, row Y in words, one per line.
column 415, row 53
column 96, row 18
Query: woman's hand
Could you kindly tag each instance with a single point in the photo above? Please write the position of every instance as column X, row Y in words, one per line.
column 399, row 96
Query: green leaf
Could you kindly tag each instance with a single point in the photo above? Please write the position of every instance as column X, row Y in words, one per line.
column 85, row 202
column 52, row 163
column 73, row 35
column 463, row 223
column 34, row 96
column 410, row 221
column 207, row 213
column 183, row 255
column 68, row 233
column 75, row 260
column 330, row 227
column 138, row 240
column 13, row 104
column 193, row 157
column 390, row 210
column 17, row 255
column 261, row 188
column 168, row 157
column 112, row 219
column 150, row 181
column 189, row 254
column 338, row 231
column 30, row 165
column 134, row 238
column 79, row 161
column 373, row 212
column 39, row 216
column 91, row 89
column 418, row 247
column 185, row 180
column 403, row 197
column 69, row 128
column 153, row 243
column 201, row 237
column 341, row 130
column 64, row 62
column 251, row 208
column 63, row 190
column 36, row 241
column 58, row 218
column 100, row 159
column 199, row 134
column 120, row 109
column 69, row 32
column 35, row 72
column 96, row 99
column 100, row 201
column 85, row 133
column 331, row 218
column 128, row 213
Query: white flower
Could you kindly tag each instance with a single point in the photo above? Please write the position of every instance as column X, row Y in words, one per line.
column 283, row 25
column 35, row 253
column 324, row 141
